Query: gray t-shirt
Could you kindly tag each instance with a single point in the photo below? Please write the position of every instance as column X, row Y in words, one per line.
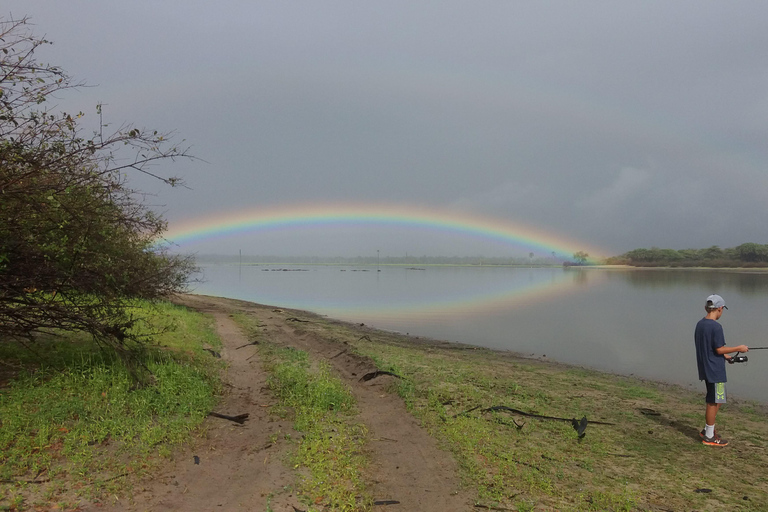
column 709, row 337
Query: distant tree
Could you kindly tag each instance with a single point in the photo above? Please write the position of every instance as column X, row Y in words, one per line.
column 580, row 257
column 76, row 245
column 712, row 253
column 689, row 254
column 752, row 252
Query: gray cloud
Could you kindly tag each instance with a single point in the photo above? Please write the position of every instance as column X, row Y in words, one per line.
column 617, row 124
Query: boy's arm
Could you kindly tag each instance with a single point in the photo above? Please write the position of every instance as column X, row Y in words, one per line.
column 728, row 350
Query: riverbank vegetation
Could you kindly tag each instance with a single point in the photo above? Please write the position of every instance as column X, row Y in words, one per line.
column 77, row 245
column 75, row 425
column 744, row 255
column 95, row 372
column 526, row 433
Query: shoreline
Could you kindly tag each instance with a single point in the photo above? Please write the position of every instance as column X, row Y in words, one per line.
column 426, row 342
column 525, row 432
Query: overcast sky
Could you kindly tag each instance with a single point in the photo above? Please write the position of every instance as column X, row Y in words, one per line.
column 619, row 124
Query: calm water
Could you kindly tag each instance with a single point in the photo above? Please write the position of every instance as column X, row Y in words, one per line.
column 626, row 321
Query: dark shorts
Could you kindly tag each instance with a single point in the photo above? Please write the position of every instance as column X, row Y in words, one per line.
column 715, row 392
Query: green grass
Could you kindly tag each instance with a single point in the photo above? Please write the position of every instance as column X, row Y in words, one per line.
column 641, row 462
column 73, row 416
column 328, row 457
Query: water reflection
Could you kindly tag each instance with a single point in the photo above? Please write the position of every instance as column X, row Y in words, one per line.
column 743, row 282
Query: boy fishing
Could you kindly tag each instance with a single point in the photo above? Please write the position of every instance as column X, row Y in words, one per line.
column 711, row 354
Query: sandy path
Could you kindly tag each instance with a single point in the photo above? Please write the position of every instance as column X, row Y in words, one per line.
column 241, row 466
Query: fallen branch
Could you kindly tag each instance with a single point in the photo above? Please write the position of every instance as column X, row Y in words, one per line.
column 25, row 481
column 487, row 507
column 523, row 413
column 240, row 418
column 580, row 426
column 247, row 345
column 213, row 352
column 465, row 412
column 294, row 319
column 116, row 477
column 377, row 373
column 337, row 355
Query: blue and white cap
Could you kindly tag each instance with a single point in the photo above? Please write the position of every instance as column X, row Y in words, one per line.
column 715, row 302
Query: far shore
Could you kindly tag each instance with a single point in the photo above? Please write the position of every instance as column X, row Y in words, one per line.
column 746, row 270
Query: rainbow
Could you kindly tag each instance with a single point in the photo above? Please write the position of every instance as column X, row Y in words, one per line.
column 475, row 302
column 305, row 216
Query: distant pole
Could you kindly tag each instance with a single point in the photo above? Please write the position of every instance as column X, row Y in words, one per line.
column 377, row 261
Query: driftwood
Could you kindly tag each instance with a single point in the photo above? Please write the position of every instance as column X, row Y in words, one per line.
column 25, row 481
column 523, row 413
column 240, row 418
column 465, row 412
column 494, row 508
column 373, row 375
column 337, row 355
column 580, row 426
column 213, row 352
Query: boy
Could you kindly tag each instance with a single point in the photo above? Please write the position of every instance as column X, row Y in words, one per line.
column 711, row 354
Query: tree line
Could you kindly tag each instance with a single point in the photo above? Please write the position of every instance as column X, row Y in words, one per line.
column 77, row 244
column 745, row 255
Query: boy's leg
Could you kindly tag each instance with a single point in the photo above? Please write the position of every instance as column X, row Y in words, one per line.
column 711, row 413
column 716, row 396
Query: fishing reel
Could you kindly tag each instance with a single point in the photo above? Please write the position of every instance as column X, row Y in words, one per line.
column 738, row 359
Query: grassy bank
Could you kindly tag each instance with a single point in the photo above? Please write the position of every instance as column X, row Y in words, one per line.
column 640, row 451
column 74, row 426
column 328, row 455
column 74, row 422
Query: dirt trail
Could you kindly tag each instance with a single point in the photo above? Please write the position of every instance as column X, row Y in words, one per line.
column 241, row 466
